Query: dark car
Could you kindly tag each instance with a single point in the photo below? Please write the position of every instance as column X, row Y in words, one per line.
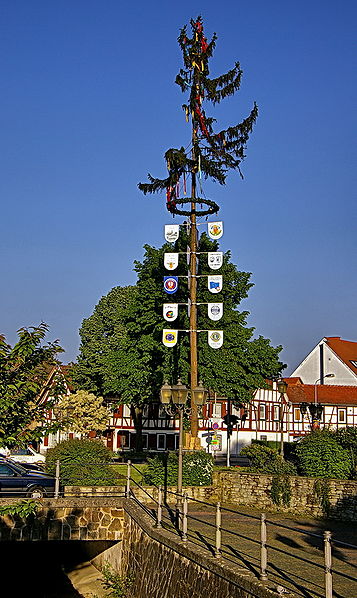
column 15, row 480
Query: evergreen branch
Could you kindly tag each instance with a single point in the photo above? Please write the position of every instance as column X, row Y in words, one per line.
column 224, row 85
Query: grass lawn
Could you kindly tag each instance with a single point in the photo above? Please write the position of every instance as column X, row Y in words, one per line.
column 121, row 470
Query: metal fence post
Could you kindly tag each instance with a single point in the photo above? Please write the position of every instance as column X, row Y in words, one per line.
column 127, row 493
column 263, row 548
column 57, row 482
column 328, row 564
column 184, row 518
column 217, row 552
column 159, row 509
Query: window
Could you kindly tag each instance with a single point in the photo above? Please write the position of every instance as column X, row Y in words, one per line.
column 5, row 470
column 276, row 412
column 161, row 442
column 341, row 416
column 354, row 362
column 262, row 411
column 297, row 414
column 263, row 438
column 126, row 411
column 217, row 410
column 145, row 441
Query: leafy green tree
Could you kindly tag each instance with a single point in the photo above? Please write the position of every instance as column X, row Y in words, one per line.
column 24, row 371
column 235, row 370
column 122, row 354
column 82, row 412
column 320, row 455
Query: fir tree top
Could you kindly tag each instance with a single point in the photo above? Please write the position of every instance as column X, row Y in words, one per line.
column 212, row 153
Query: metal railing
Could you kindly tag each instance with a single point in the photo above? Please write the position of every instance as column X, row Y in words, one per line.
column 258, row 551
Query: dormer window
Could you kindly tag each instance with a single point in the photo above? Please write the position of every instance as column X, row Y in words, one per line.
column 354, row 362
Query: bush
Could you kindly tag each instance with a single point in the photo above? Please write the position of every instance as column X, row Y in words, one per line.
column 82, row 463
column 267, row 460
column 320, row 455
column 161, row 470
column 347, row 438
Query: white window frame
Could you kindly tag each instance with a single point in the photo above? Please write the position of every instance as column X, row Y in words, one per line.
column 217, row 410
column 262, row 411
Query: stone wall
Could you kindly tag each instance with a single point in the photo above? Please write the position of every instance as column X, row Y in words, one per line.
column 307, row 494
column 254, row 490
column 163, row 566
column 67, row 519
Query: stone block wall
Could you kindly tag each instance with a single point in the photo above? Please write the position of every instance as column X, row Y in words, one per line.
column 67, row 519
column 255, row 490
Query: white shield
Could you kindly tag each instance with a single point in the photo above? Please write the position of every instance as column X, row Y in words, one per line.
column 215, row 259
column 215, row 338
column 171, row 261
column 172, row 232
column 215, row 283
column 170, row 311
column 215, row 230
column 169, row 337
column 215, row 311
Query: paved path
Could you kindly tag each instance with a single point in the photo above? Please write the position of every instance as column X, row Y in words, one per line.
column 295, row 559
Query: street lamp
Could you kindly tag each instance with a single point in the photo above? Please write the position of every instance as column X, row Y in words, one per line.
column 315, row 409
column 174, row 400
column 282, row 388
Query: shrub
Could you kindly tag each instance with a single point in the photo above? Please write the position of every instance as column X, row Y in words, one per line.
column 347, row 438
column 321, row 456
column 267, row 460
column 82, row 463
column 161, row 470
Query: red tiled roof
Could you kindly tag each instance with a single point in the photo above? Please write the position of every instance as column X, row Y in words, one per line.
column 346, row 350
column 326, row 394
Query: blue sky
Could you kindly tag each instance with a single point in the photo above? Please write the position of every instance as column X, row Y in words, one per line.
column 88, row 106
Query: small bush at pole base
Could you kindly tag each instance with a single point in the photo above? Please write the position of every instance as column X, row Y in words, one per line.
column 161, row 470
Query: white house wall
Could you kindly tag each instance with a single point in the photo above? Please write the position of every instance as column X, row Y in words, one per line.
column 309, row 369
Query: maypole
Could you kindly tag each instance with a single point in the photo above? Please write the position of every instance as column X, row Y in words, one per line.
column 210, row 155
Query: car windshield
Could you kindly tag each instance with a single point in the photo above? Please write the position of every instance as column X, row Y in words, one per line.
column 21, row 470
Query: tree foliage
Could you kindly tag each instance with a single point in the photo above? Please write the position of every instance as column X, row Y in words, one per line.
column 82, row 412
column 122, row 354
column 24, row 371
column 212, row 152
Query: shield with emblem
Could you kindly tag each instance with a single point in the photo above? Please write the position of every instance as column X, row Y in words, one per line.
column 215, row 259
column 215, row 338
column 215, row 283
column 172, row 232
column 170, row 284
column 215, row 311
column 169, row 337
column 170, row 311
column 215, row 230
column 171, row 261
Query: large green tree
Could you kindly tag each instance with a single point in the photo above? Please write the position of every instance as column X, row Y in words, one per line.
column 24, row 371
column 122, row 354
